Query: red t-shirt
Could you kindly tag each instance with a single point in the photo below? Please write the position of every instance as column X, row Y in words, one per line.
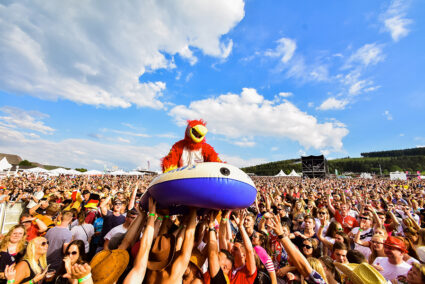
column 243, row 277
column 32, row 233
column 348, row 222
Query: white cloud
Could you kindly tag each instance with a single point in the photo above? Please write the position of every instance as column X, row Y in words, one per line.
column 94, row 52
column 274, row 149
column 388, row 115
column 369, row 54
column 19, row 118
column 240, row 162
column 401, row 134
column 284, row 50
column 243, row 142
column 120, row 139
column 249, row 114
column 356, row 85
column 307, row 72
column 136, row 134
column 395, row 21
column 310, row 104
column 333, row 103
column 80, row 152
column 286, row 94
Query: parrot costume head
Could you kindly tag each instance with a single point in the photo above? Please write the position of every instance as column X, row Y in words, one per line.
column 195, row 131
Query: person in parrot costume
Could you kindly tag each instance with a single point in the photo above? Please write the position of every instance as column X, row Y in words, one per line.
column 192, row 149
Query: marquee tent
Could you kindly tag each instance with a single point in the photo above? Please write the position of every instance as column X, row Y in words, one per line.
column 281, row 174
column 294, row 174
column 36, row 170
column 398, row 176
column 4, row 164
column 93, row 173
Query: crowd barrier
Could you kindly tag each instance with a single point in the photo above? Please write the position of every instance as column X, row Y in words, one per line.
column 9, row 215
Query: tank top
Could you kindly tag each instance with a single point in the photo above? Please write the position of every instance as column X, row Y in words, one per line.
column 32, row 273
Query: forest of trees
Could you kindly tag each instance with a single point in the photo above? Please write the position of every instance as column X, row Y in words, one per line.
column 419, row 151
column 397, row 160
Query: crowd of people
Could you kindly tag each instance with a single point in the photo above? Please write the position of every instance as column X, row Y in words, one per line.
column 83, row 229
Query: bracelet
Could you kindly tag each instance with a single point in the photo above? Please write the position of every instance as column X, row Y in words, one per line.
column 31, row 282
column 166, row 216
column 88, row 276
column 360, row 230
column 159, row 218
column 152, row 214
column 10, row 281
column 224, row 219
column 267, row 234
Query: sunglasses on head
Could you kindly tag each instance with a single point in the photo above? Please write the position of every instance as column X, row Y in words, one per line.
column 71, row 253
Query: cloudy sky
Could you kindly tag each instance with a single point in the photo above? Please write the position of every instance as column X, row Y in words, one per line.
column 111, row 83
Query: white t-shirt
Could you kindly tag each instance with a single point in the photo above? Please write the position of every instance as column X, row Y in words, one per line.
column 392, row 271
column 79, row 234
column 365, row 236
column 115, row 230
column 39, row 195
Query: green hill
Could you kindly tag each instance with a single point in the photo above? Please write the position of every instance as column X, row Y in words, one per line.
column 411, row 160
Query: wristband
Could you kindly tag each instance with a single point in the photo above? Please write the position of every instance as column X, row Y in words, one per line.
column 31, row 282
column 152, row 214
column 224, row 219
column 10, row 281
column 159, row 218
column 281, row 236
column 360, row 230
column 211, row 229
column 166, row 216
column 88, row 276
column 267, row 234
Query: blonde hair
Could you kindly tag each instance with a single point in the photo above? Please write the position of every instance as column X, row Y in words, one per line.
column 374, row 253
column 421, row 238
column 316, row 264
column 21, row 245
column 30, row 257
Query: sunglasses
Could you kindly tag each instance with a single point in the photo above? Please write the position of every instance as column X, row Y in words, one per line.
column 322, row 213
column 307, row 246
column 43, row 244
column 118, row 204
column 340, row 229
column 364, row 218
column 376, row 243
column 71, row 253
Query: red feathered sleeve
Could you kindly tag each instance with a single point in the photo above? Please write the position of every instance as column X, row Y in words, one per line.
column 173, row 158
column 210, row 155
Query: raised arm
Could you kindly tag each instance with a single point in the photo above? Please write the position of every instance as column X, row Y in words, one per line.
column 297, row 258
column 329, row 203
column 103, row 207
column 182, row 261
column 213, row 261
column 133, row 196
column 133, row 231
column 137, row 273
column 250, row 258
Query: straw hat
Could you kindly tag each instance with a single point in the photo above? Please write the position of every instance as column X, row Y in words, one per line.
column 162, row 252
column 197, row 258
column 107, row 266
column 363, row 273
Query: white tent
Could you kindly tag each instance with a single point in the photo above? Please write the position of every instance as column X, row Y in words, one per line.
column 93, row 173
column 135, row 173
column 294, row 174
column 281, row 174
column 58, row 171
column 36, row 170
column 4, row 164
column 398, row 176
column 73, row 172
column 118, row 173
column 366, row 176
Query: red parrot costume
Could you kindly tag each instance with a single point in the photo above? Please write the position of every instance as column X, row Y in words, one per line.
column 192, row 149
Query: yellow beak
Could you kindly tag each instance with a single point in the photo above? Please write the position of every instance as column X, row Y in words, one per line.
column 198, row 132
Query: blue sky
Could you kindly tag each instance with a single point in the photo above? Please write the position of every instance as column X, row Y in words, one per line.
column 111, row 84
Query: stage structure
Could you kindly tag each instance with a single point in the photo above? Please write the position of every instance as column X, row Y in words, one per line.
column 314, row 166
